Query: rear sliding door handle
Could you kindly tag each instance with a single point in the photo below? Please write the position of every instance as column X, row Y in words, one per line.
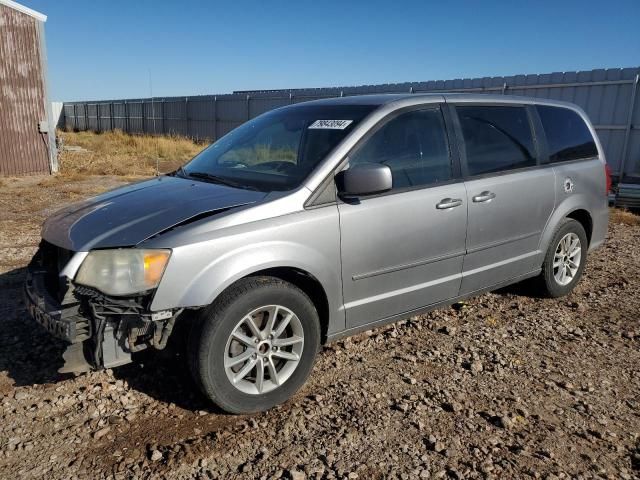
column 446, row 203
column 484, row 197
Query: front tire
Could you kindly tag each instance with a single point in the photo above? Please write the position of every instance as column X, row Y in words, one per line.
column 565, row 259
column 255, row 345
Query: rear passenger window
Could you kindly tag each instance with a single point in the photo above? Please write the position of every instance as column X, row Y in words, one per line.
column 568, row 137
column 413, row 145
column 496, row 138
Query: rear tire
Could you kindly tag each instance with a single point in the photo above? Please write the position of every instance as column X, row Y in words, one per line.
column 255, row 345
column 565, row 259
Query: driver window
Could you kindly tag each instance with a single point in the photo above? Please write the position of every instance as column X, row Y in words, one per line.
column 413, row 145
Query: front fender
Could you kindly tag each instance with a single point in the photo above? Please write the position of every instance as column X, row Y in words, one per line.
column 198, row 273
column 236, row 264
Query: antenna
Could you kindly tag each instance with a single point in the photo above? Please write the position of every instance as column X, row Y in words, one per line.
column 153, row 119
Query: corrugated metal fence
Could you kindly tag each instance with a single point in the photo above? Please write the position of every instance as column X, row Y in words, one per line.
column 608, row 96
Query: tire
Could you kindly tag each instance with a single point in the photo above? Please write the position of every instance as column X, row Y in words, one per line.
column 551, row 279
column 223, row 334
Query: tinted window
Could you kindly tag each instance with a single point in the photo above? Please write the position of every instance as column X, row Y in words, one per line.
column 277, row 150
column 413, row 145
column 496, row 138
column 568, row 137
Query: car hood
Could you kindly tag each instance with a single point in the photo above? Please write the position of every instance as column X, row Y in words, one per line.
column 129, row 215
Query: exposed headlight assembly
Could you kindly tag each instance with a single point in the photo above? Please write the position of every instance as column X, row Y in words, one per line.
column 123, row 271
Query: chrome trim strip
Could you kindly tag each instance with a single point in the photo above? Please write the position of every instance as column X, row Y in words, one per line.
column 491, row 266
column 401, row 291
column 396, row 268
column 503, row 242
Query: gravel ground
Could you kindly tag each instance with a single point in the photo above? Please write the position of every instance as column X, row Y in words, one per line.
column 507, row 385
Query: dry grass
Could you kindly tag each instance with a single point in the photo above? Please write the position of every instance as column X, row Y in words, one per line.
column 117, row 153
column 625, row 217
column 103, row 162
column 26, row 201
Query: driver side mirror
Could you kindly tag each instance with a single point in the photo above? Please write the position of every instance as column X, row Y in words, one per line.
column 364, row 179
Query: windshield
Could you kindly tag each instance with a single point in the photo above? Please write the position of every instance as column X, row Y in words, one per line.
column 277, row 150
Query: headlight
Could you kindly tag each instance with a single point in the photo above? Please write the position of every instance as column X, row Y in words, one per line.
column 123, row 271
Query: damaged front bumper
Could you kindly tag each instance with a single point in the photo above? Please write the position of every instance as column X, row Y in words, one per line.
column 102, row 331
column 65, row 323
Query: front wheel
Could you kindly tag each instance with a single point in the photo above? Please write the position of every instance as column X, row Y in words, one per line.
column 255, row 345
column 565, row 259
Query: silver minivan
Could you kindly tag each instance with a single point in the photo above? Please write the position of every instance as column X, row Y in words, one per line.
column 320, row 220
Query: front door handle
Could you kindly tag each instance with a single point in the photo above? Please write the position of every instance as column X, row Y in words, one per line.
column 484, row 197
column 447, row 203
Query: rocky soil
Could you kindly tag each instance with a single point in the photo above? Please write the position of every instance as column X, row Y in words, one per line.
column 506, row 385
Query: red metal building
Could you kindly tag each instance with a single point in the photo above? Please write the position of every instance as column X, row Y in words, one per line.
column 27, row 129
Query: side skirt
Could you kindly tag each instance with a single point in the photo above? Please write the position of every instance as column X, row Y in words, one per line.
column 450, row 301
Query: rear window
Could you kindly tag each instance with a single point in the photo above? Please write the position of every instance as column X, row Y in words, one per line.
column 568, row 137
column 496, row 139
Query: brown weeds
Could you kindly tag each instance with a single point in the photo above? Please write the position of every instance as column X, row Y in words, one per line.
column 625, row 217
column 118, row 153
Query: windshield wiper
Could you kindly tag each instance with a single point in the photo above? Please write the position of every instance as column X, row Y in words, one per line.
column 180, row 172
column 209, row 177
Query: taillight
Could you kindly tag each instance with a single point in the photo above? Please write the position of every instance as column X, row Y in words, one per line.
column 607, row 174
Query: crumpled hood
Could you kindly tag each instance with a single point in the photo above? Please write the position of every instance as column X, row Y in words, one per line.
column 129, row 215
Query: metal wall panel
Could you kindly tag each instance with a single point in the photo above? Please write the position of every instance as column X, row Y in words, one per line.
column 202, row 118
column 119, row 116
column 610, row 98
column 260, row 105
column 134, row 114
column 69, row 116
column 105, row 117
column 23, row 101
column 175, row 117
column 92, row 117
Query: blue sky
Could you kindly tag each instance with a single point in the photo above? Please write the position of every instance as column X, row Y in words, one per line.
column 106, row 49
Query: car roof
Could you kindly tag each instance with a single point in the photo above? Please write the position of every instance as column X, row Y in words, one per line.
column 388, row 98
column 372, row 99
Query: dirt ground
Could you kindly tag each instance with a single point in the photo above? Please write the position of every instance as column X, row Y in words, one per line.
column 507, row 385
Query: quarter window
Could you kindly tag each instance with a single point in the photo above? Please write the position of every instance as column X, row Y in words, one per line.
column 413, row 145
column 496, row 138
column 568, row 137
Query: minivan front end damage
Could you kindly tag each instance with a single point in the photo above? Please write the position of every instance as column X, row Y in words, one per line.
column 102, row 331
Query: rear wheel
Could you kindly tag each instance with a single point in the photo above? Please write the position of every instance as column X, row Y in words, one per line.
column 255, row 345
column 565, row 259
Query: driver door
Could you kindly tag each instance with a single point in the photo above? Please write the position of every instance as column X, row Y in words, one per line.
column 403, row 250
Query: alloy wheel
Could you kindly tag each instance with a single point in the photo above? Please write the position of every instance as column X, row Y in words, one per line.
column 566, row 261
column 264, row 349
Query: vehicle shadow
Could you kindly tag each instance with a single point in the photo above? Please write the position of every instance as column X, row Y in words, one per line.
column 28, row 354
column 526, row 288
column 164, row 375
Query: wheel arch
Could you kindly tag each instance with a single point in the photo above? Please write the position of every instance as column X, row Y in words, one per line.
column 583, row 217
column 572, row 207
column 306, row 282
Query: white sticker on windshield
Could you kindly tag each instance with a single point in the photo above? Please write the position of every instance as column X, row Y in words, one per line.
column 331, row 124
